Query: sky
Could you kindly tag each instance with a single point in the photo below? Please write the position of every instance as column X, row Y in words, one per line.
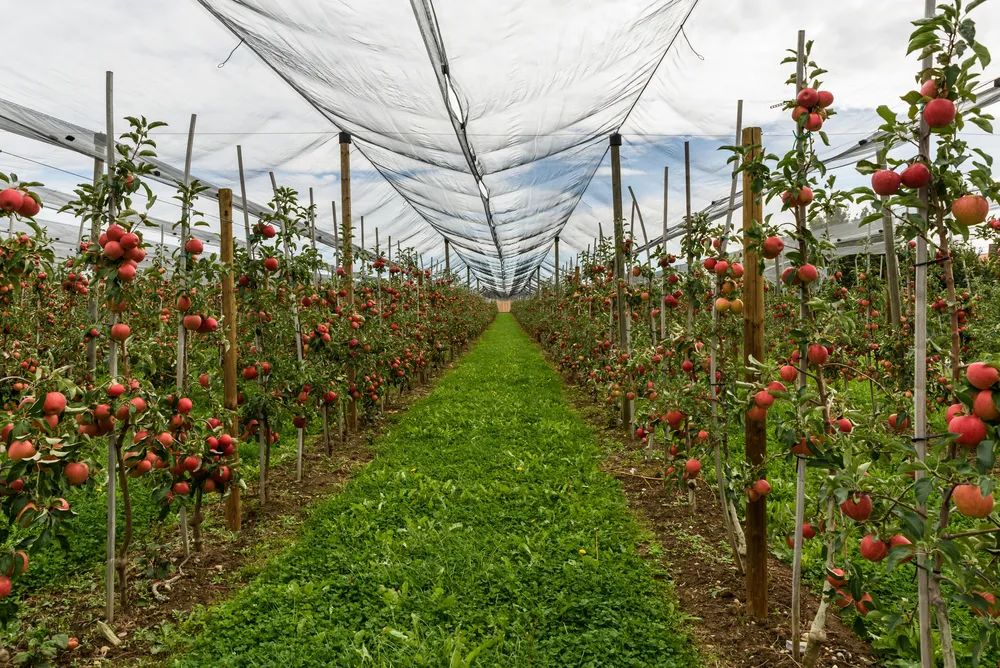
column 534, row 76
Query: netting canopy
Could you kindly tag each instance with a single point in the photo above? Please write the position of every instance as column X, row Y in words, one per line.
column 492, row 136
column 481, row 122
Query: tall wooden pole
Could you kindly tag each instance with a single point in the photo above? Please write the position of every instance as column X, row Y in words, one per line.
column 619, row 223
column 229, row 354
column 447, row 256
column 557, row 264
column 112, row 511
column 663, row 284
column 689, row 260
column 920, row 432
column 800, row 462
column 348, row 258
column 755, row 432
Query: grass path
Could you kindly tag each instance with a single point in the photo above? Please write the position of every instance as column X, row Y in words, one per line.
column 483, row 533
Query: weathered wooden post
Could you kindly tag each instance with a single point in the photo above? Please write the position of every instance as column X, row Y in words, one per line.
column 619, row 224
column 348, row 260
column 755, row 431
column 230, row 391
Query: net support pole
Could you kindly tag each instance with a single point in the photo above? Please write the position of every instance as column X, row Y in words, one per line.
column 557, row 263
column 663, row 282
column 447, row 257
column 348, row 261
column 112, row 510
column 243, row 198
column 230, row 393
column 920, row 387
column 619, row 222
column 755, row 431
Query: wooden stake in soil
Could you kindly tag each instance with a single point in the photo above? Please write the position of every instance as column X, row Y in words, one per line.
column 755, row 433
column 110, row 566
column 233, row 502
column 920, row 432
column 348, row 261
column 557, row 263
column 616, row 194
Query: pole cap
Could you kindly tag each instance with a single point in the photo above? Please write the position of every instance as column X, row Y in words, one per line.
column 616, row 139
column 345, row 137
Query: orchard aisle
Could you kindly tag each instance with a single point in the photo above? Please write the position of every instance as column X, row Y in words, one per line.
column 482, row 532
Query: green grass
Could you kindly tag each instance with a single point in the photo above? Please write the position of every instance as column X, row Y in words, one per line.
column 483, row 532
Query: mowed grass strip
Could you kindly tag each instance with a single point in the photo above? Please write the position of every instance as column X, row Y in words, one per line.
column 483, row 533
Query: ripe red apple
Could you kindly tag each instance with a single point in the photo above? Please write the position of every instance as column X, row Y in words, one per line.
column 898, row 425
column 857, row 507
column 11, row 199
column 837, row 577
column 807, row 97
column 194, row 246
column 29, row 207
column 929, row 88
column 814, row 123
column 917, row 175
column 970, row 210
column 982, row 376
column 181, row 488
column 817, row 354
column 184, row 405
column 77, row 473
column 19, row 450
column 763, row 399
column 250, row 373
column 127, row 272
column 807, row 273
column 192, row 322
column 120, row 331
column 191, row 463
column 939, row 112
column 773, row 247
column 970, row 430
column 873, row 549
column 886, row 182
column 54, row 403
column 4, row 586
column 992, row 609
column 203, row 379
column 692, row 468
column 984, row 406
column 789, row 373
column 864, row 605
column 844, row 425
column 271, row 264
column 971, row 502
column 825, row 98
column 762, row 487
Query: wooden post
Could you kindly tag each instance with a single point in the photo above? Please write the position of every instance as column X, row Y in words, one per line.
column 348, row 259
column 336, row 236
column 447, row 257
column 687, row 231
column 112, row 512
column 663, row 288
column 755, row 432
column 557, row 264
column 229, row 354
column 920, row 432
column 616, row 195
column 800, row 462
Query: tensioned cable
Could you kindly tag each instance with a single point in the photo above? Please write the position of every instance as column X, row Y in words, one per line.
column 430, row 31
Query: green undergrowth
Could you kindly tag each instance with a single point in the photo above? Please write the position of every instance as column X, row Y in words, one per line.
column 483, row 533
